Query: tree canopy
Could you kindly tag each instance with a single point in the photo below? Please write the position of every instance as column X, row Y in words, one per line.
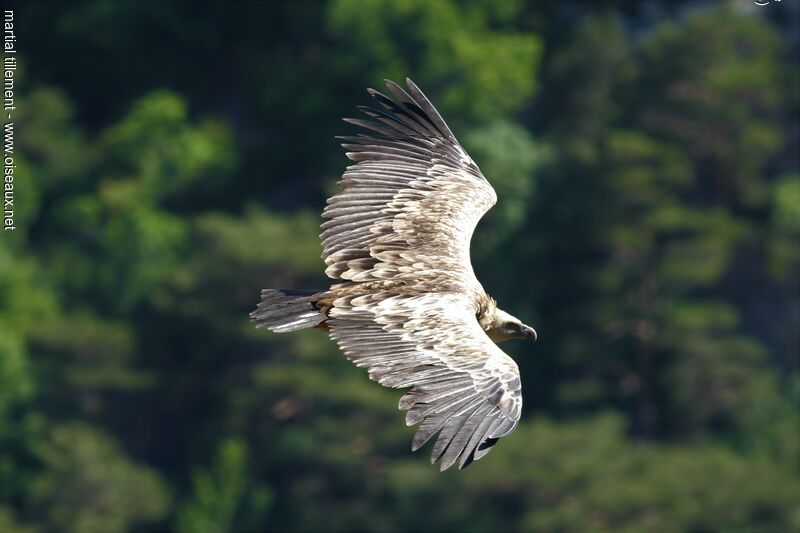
column 173, row 159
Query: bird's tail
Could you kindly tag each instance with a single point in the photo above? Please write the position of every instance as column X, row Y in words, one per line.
column 284, row 310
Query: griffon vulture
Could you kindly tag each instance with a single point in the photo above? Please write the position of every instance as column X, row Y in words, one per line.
column 405, row 303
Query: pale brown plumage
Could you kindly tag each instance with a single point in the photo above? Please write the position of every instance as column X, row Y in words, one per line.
column 407, row 305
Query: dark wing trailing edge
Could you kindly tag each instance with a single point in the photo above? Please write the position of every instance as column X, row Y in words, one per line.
column 398, row 237
column 463, row 386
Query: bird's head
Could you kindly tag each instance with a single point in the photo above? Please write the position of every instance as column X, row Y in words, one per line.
column 505, row 326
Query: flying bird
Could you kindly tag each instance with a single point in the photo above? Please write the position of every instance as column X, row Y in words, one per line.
column 405, row 303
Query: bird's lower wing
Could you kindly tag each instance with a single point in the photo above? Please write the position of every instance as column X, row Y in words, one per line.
column 463, row 386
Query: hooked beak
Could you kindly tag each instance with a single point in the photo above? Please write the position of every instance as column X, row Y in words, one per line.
column 529, row 333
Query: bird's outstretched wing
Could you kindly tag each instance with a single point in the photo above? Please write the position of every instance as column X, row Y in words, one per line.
column 398, row 239
column 463, row 386
column 410, row 203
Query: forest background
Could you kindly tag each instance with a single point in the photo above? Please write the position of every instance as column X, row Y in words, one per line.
column 173, row 159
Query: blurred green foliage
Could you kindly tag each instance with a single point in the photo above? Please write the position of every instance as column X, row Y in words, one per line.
column 173, row 159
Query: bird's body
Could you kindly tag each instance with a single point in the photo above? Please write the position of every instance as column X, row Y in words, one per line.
column 406, row 303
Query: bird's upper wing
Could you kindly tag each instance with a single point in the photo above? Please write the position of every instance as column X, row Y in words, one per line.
column 398, row 239
column 410, row 203
column 463, row 386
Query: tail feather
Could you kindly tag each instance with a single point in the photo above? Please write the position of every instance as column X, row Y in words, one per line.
column 284, row 310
